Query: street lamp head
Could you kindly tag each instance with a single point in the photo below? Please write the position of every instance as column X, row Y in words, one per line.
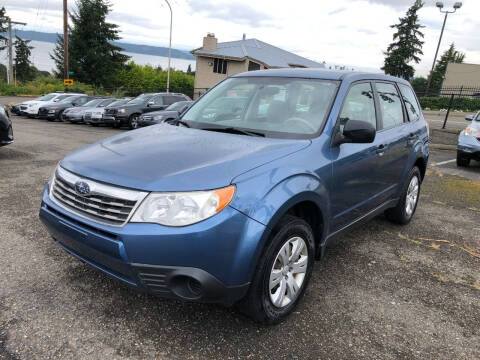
column 457, row 5
column 439, row 4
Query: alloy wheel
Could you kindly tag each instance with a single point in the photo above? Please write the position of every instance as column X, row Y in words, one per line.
column 412, row 196
column 288, row 272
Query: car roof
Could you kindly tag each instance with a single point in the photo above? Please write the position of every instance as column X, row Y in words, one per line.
column 315, row 73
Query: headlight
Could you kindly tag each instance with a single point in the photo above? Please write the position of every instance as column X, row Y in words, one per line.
column 182, row 208
column 158, row 117
column 471, row 131
column 122, row 111
column 52, row 111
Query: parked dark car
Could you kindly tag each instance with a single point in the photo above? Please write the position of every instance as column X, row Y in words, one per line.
column 236, row 207
column 95, row 117
column 54, row 112
column 77, row 114
column 15, row 109
column 6, row 131
column 129, row 113
column 171, row 113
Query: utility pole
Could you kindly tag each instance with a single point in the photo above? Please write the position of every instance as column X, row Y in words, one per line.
column 65, row 40
column 169, row 47
column 10, row 49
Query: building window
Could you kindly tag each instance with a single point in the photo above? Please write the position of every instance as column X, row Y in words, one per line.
column 252, row 66
column 220, row 66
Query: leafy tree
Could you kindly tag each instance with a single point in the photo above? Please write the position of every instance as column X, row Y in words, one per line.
column 22, row 59
column 93, row 58
column 406, row 46
column 3, row 28
column 3, row 73
column 57, row 57
column 449, row 56
column 419, row 84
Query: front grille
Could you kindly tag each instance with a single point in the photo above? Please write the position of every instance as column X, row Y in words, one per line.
column 88, row 116
column 23, row 107
column 110, row 111
column 147, row 118
column 42, row 111
column 105, row 204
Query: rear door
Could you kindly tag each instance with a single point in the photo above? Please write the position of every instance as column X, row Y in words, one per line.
column 394, row 136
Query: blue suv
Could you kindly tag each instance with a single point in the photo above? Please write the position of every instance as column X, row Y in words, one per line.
column 233, row 202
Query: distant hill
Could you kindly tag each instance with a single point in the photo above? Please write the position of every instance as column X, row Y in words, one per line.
column 132, row 48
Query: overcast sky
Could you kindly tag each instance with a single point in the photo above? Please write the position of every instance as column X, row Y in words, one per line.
column 349, row 32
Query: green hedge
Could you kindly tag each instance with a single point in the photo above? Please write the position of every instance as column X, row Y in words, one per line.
column 41, row 86
column 442, row 102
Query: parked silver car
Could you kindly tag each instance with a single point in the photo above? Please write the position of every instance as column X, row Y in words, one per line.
column 469, row 142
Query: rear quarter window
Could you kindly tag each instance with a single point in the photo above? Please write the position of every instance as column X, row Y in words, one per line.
column 411, row 103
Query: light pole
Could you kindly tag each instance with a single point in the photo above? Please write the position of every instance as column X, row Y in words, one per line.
column 169, row 47
column 439, row 4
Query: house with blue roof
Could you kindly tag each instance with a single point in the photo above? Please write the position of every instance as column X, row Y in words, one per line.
column 216, row 61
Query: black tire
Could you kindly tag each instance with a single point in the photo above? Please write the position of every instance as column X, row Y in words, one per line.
column 133, row 121
column 399, row 214
column 257, row 303
column 462, row 161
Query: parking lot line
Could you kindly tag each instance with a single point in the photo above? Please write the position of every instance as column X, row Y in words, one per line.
column 444, row 162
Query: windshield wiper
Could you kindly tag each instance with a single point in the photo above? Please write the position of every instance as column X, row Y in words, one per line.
column 233, row 130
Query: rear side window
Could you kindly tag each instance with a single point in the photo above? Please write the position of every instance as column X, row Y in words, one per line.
column 413, row 110
column 169, row 99
column 158, row 100
column 390, row 105
column 359, row 105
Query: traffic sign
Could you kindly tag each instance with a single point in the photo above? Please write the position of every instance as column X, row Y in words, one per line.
column 68, row 82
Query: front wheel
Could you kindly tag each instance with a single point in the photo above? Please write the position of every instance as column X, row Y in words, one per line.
column 403, row 212
column 133, row 121
column 282, row 274
column 462, row 161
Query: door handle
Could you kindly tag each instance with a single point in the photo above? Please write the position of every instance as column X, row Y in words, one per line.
column 381, row 149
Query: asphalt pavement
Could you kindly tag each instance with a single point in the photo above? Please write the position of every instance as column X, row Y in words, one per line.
column 382, row 292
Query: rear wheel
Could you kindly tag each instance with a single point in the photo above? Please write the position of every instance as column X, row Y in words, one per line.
column 403, row 212
column 462, row 161
column 133, row 121
column 282, row 274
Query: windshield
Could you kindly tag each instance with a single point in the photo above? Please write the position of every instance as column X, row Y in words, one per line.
column 140, row 99
column 105, row 102
column 46, row 97
column 274, row 106
column 177, row 106
column 62, row 97
column 117, row 103
column 69, row 99
column 93, row 103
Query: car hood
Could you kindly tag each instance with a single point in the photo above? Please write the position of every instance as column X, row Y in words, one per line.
column 171, row 158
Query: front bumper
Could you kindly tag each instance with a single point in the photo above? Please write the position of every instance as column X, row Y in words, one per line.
column 143, row 123
column 210, row 261
column 469, row 146
column 115, row 120
column 74, row 118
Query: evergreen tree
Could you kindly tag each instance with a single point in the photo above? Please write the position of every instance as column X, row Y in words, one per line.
column 22, row 59
column 406, row 46
column 93, row 57
column 189, row 69
column 57, row 57
column 3, row 28
column 419, row 84
column 449, row 56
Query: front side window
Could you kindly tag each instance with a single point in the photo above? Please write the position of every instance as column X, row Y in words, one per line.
column 220, row 66
column 359, row 105
column 410, row 100
column 140, row 99
column 81, row 100
column 390, row 105
column 273, row 106
column 158, row 100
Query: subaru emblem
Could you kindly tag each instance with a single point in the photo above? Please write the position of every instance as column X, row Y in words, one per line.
column 82, row 188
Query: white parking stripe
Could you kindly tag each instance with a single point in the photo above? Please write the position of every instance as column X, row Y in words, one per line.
column 444, row 162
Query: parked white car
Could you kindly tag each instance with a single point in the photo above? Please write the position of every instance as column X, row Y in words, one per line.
column 31, row 109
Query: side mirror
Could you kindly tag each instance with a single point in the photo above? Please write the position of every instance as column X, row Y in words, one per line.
column 469, row 118
column 357, row 132
column 150, row 103
column 75, row 104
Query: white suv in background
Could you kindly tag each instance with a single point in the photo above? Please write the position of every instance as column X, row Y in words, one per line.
column 30, row 108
